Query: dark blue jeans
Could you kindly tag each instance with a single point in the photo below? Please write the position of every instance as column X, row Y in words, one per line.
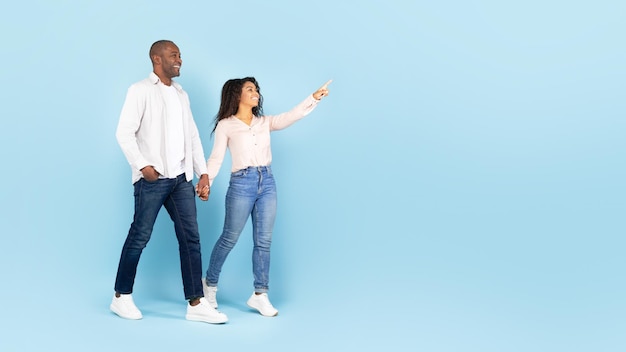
column 178, row 197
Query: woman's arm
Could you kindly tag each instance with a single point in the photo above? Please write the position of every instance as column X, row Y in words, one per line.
column 285, row 119
column 220, row 144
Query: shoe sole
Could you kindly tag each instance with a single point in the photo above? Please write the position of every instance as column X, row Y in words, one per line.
column 204, row 319
column 260, row 312
column 124, row 316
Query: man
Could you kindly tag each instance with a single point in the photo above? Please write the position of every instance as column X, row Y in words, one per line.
column 159, row 137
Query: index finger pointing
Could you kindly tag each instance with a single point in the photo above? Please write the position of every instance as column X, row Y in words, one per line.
column 326, row 84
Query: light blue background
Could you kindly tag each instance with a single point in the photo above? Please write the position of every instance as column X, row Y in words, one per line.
column 462, row 188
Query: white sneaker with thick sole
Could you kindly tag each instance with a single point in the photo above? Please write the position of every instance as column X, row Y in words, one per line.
column 210, row 293
column 204, row 312
column 262, row 304
column 125, row 307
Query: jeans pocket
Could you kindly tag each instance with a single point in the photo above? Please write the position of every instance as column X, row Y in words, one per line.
column 239, row 173
column 151, row 182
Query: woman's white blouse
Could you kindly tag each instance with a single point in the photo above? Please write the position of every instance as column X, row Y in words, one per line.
column 250, row 145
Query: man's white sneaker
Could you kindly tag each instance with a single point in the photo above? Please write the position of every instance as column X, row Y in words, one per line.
column 125, row 307
column 210, row 293
column 204, row 312
column 262, row 304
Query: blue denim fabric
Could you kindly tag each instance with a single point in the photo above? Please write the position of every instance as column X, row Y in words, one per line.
column 252, row 191
column 178, row 197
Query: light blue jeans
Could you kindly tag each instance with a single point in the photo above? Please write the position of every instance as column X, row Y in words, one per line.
column 252, row 191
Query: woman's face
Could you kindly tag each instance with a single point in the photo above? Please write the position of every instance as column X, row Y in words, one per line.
column 249, row 95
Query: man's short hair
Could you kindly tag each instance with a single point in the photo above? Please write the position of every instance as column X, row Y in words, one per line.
column 158, row 46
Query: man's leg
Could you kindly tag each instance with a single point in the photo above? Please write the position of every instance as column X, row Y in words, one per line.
column 181, row 205
column 149, row 197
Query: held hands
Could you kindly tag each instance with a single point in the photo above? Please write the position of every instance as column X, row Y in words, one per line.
column 202, row 188
column 322, row 92
column 203, row 193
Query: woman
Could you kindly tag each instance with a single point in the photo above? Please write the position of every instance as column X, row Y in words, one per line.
column 241, row 127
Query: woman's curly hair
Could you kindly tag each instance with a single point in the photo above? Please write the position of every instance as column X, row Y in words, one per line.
column 231, row 95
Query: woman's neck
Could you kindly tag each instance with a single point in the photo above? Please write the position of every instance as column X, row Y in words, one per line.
column 245, row 115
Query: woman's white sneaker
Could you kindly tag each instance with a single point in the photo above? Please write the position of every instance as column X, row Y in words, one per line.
column 204, row 312
column 262, row 304
column 125, row 307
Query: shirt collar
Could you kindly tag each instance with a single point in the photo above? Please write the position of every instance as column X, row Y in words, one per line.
column 154, row 79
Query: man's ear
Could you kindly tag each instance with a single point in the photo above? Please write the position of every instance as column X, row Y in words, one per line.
column 156, row 59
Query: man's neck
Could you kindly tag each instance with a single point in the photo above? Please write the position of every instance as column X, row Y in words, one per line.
column 164, row 79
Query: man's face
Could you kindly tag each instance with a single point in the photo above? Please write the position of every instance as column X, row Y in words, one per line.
column 171, row 60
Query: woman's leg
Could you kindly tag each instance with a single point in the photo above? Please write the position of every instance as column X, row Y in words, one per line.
column 240, row 199
column 263, row 217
